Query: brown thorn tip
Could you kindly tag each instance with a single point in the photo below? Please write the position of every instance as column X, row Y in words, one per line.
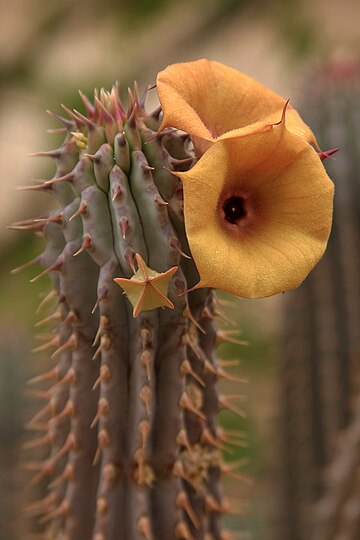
column 183, row 502
column 182, row 531
column 86, row 244
column 144, row 527
column 186, row 369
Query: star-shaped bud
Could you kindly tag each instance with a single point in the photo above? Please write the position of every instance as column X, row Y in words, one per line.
column 147, row 289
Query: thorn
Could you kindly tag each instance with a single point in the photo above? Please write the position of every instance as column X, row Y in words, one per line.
column 212, row 505
column 67, row 123
column 183, row 440
column 144, row 430
column 56, row 267
column 66, row 475
column 180, row 162
column 182, row 531
column 103, row 442
column 60, row 511
column 225, row 336
column 209, row 368
column 228, row 470
column 68, row 410
column 57, row 218
column 206, row 314
column 187, row 313
column 71, row 343
column 56, row 316
column 146, row 169
column 175, row 244
column 116, row 193
column 193, row 346
column 146, row 359
column 207, row 438
column 87, row 104
column 100, row 329
column 51, row 375
column 105, row 375
column 105, row 343
column 52, row 294
column 81, row 211
column 144, row 527
column 183, row 502
column 159, row 201
column 226, row 319
column 178, row 469
column 86, row 245
column 78, row 122
column 41, row 187
column 224, row 403
column 328, row 153
column 55, row 131
column 71, row 318
column 69, row 177
column 102, row 295
column 124, row 226
column 41, row 441
column 37, row 426
column 186, row 404
column 47, row 153
column 44, row 469
column 86, row 121
column 18, row 269
column 222, row 374
column 29, row 227
column 186, row 369
column 145, row 396
column 101, row 506
column 103, row 409
column 68, row 378
column 48, row 345
column 42, row 394
column 129, row 256
column 229, row 363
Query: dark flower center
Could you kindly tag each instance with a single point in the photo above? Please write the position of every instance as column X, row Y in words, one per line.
column 234, row 209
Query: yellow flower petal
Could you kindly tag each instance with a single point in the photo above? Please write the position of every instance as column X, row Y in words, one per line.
column 147, row 289
column 207, row 99
column 258, row 210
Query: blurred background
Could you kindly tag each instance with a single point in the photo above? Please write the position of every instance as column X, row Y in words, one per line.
column 303, row 353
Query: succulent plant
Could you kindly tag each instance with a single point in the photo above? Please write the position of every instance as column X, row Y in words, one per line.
column 134, row 449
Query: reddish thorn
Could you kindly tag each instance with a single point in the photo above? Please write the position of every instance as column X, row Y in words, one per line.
column 124, row 226
column 69, row 177
column 159, row 200
column 47, row 153
column 26, row 265
column 328, row 153
column 79, row 123
column 89, row 107
column 67, row 123
column 86, row 244
column 82, row 210
column 102, row 295
column 41, row 187
column 116, row 193
column 89, row 123
column 56, row 267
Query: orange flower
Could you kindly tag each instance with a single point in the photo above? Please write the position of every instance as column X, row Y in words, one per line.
column 258, row 212
column 258, row 203
column 208, row 100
